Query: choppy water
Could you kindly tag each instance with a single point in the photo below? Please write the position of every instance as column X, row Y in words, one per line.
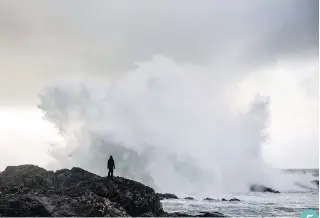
column 286, row 204
column 251, row 204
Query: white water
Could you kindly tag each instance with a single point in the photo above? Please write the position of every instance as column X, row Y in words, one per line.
column 251, row 204
column 171, row 125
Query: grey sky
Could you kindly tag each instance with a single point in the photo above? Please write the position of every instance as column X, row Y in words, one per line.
column 41, row 40
column 270, row 46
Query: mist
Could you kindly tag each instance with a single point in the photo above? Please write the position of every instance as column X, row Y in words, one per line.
column 172, row 126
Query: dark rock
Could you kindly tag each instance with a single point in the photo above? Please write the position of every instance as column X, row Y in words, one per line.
column 189, row 198
column 74, row 192
column 167, row 196
column 28, row 176
column 201, row 214
column 18, row 206
column 57, row 205
column 223, row 199
column 208, row 199
column 29, row 190
column 261, row 188
column 234, row 199
column 148, row 214
column 211, row 214
column 316, row 182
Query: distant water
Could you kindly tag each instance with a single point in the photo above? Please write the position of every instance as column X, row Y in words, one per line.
column 287, row 204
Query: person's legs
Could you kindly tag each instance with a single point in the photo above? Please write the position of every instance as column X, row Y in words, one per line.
column 109, row 173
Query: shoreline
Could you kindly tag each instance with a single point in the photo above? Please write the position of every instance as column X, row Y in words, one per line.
column 29, row 190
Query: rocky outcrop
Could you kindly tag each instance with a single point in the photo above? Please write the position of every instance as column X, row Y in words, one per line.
column 29, row 190
column 189, row 198
column 167, row 196
column 223, row 199
column 261, row 188
column 234, row 199
column 32, row 191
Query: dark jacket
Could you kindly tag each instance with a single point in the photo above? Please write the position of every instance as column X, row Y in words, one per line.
column 111, row 164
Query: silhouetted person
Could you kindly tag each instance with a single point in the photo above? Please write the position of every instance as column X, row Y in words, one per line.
column 111, row 167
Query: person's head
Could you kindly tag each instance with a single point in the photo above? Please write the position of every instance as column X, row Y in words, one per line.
column 111, row 157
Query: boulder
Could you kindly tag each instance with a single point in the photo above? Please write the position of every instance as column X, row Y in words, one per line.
column 189, row 198
column 223, row 199
column 261, row 188
column 167, row 196
column 234, row 199
column 208, row 199
column 210, row 214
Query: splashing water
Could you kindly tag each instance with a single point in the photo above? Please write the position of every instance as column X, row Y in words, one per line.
column 171, row 126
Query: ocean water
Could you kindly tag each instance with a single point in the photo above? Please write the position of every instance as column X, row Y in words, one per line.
column 252, row 204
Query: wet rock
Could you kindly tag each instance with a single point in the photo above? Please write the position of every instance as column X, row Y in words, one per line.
column 167, row 196
column 261, row 188
column 189, row 198
column 29, row 190
column 74, row 192
column 200, row 214
column 211, row 214
column 234, row 199
column 28, row 176
column 18, row 206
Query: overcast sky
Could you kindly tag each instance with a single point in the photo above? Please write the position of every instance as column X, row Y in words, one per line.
column 244, row 41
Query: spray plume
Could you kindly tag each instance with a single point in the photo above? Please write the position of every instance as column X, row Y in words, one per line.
column 172, row 126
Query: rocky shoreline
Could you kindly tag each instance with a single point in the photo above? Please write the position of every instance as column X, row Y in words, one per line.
column 29, row 190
